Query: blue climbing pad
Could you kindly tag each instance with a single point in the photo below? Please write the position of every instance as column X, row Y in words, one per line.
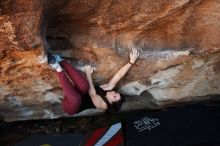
column 197, row 124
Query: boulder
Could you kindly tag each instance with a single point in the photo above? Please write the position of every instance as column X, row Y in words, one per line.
column 178, row 41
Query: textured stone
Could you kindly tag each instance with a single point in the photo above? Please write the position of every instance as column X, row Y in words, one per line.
column 178, row 41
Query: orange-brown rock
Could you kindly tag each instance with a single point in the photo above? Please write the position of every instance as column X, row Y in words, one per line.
column 178, row 41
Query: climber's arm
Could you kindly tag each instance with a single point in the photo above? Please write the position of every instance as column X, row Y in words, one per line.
column 121, row 73
column 96, row 99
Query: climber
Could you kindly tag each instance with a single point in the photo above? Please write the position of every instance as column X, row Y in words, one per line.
column 79, row 91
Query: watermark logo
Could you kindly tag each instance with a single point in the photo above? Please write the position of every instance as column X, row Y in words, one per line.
column 146, row 123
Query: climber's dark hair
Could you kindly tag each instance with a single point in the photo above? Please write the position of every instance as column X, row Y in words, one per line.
column 115, row 106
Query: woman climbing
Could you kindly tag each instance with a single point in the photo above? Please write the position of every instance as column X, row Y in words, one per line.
column 79, row 91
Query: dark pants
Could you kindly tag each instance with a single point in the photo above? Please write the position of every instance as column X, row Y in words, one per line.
column 74, row 86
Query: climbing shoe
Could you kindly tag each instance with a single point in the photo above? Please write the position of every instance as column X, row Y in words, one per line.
column 58, row 58
column 51, row 59
column 53, row 63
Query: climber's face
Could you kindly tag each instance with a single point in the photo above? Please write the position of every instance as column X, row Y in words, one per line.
column 113, row 96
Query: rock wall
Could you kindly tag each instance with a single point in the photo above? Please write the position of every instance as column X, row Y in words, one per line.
column 178, row 41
